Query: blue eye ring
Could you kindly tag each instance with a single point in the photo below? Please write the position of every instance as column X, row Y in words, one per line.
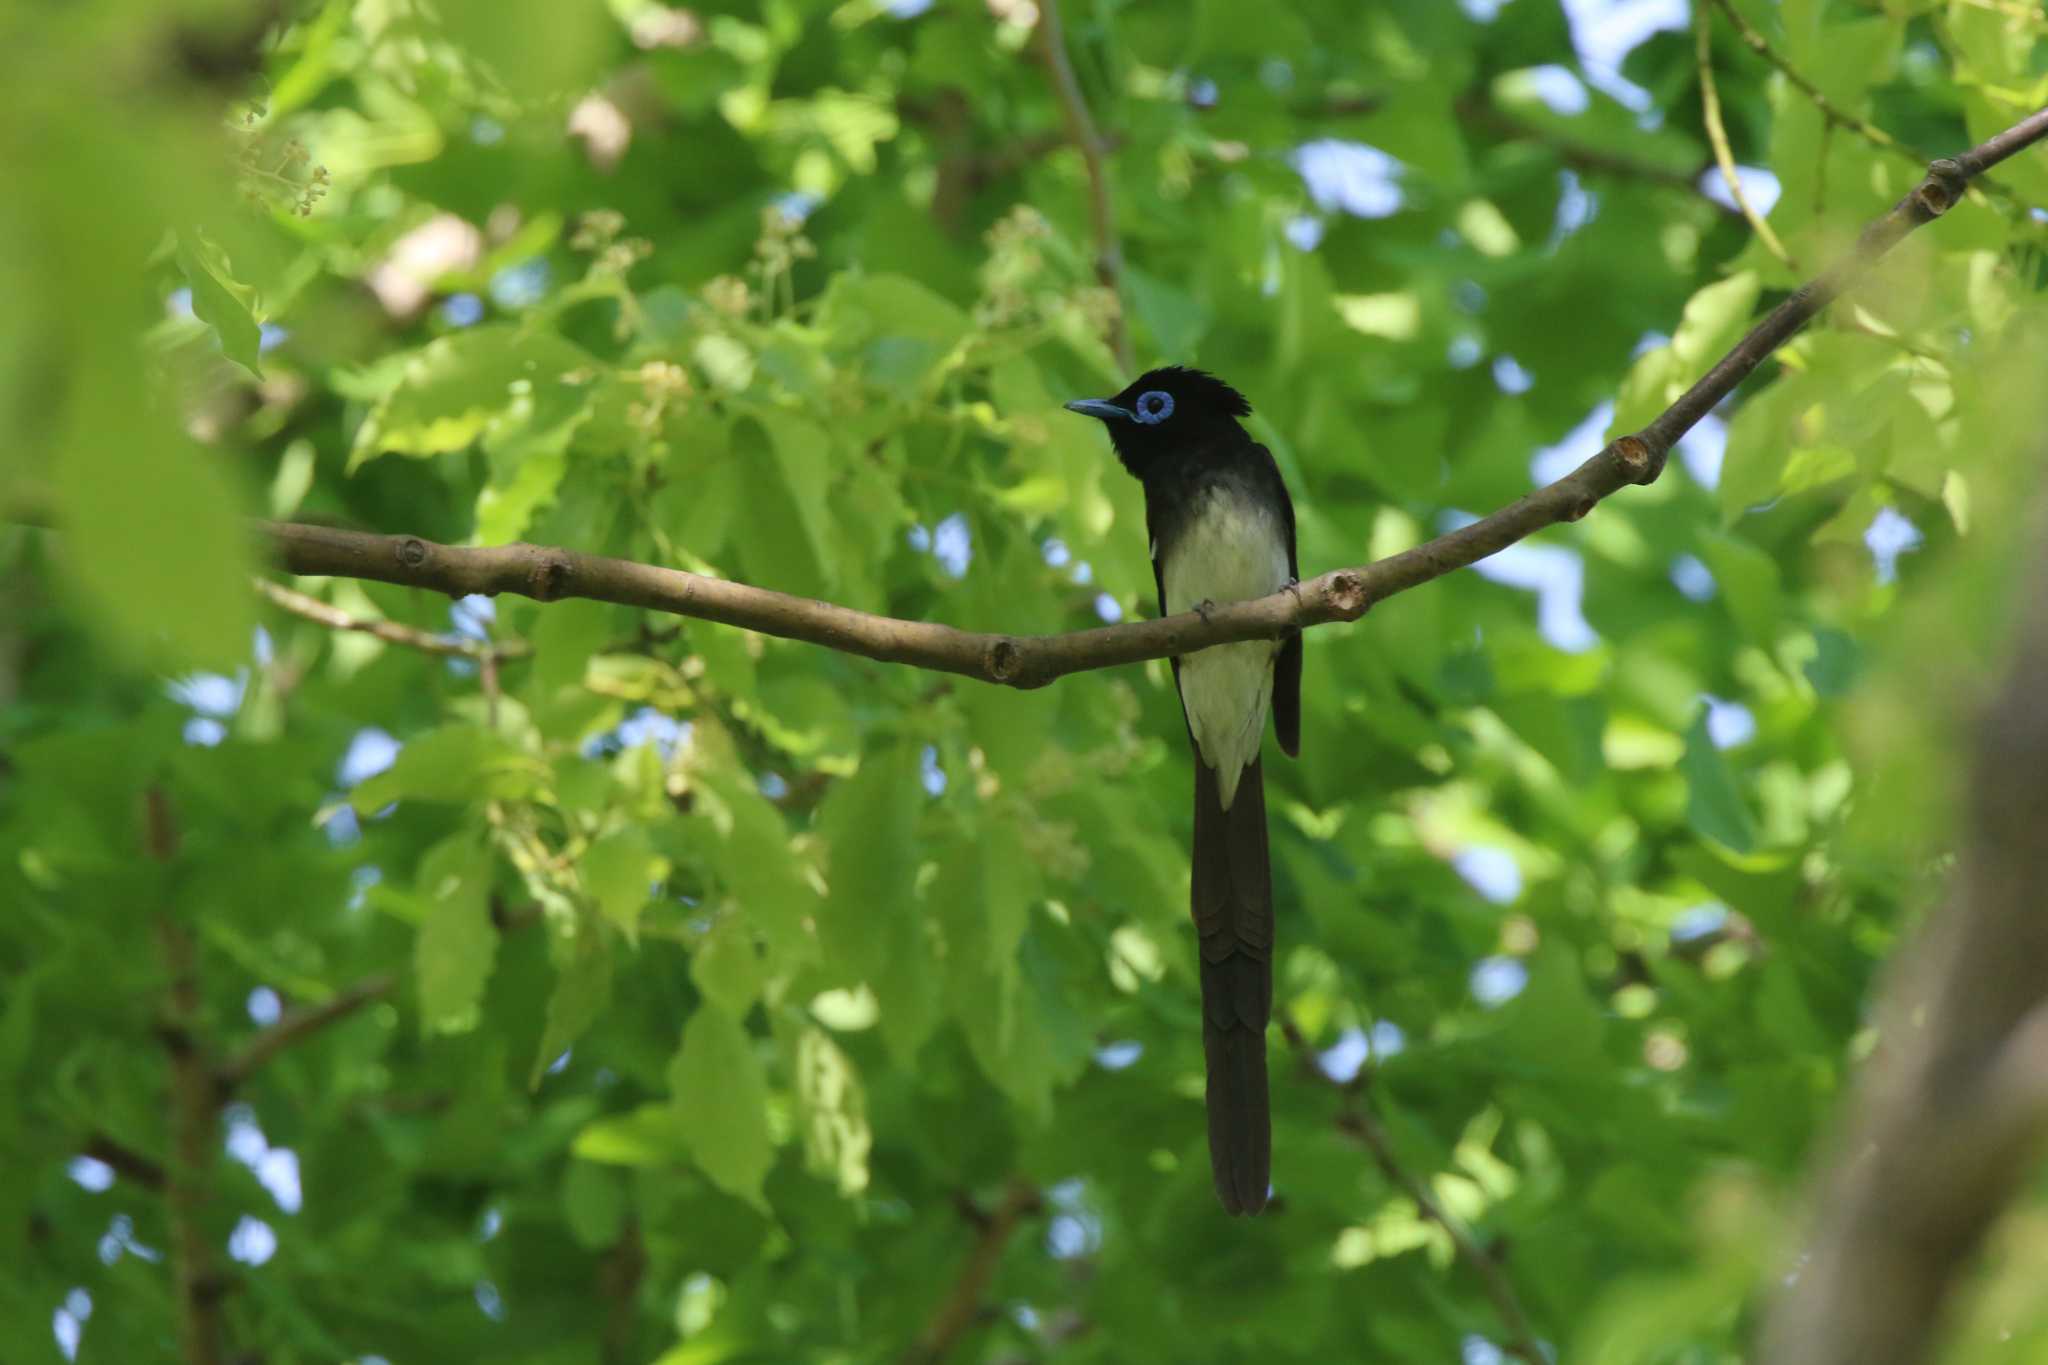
column 1153, row 407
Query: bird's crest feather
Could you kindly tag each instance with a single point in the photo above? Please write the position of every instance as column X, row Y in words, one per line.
column 1197, row 387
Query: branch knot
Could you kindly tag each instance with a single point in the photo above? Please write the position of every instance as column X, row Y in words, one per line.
column 1943, row 186
column 1002, row 660
column 1346, row 594
column 412, row 552
column 551, row 575
column 1642, row 461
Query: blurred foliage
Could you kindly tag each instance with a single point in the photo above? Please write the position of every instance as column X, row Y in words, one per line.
column 733, row 973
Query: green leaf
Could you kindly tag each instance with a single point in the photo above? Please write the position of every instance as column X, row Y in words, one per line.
column 565, row 637
column 721, row 1104
column 897, row 330
column 619, row 871
column 554, row 52
column 593, row 1204
column 782, row 545
column 699, row 503
column 1760, row 441
column 651, row 1135
column 868, row 823
column 1019, row 1027
column 221, row 302
column 154, row 536
column 1175, row 318
column 803, row 455
column 1836, row 660
column 1749, row 582
column 751, row 853
column 453, row 390
column 583, row 988
column 836, row 1135
column 1713, row 805
column 726, row 362
column 1714, row 319
column 457, row 944
column 463, row 763
column 873, row 926
column 727, row 967
column 506, row 508
column 983, row 895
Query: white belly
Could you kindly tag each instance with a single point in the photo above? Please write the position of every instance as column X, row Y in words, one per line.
column 1227, row 553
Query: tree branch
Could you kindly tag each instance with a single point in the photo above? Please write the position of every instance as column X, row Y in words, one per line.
column 296, row 1025
column 1109, row 254
column 1355, row 1120
column 619, row 1276
column 1954, row 1104
column 194, row 1106
column 546, row 573
column 194, row 1111
column 334, row 618
column 956, row 1314
column 1717, row 137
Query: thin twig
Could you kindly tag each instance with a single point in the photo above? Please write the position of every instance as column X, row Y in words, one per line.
column 1717, row 136
column 963, row 1303
column 1357, row 1121
column 1953, row 1106
column 964, row 170
column 1906, row 344
column 1833, row 113
column 1476, row 112
column 296, row 1025
column 1520, row 1341
column 1109, row 254
column 334, row 618
column 487, row 679
column 547, row 573
column 1829, row 110
column 124, row 1160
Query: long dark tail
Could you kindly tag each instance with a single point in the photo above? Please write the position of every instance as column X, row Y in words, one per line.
column 1232, row 903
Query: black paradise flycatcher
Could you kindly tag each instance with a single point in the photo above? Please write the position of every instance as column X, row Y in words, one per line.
column 1222, row 530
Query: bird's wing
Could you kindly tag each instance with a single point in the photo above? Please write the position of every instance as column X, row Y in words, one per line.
column 1159, row 581
column 1287, row 668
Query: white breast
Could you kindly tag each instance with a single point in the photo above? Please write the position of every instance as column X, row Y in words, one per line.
column 1229, row 550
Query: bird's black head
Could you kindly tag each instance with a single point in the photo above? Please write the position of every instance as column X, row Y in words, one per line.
column 1163, row 411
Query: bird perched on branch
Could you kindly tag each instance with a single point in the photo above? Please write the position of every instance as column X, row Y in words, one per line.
column 1222, row 530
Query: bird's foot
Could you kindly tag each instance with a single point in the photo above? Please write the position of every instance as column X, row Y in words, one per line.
column 1204, row 608
column 1293, row 585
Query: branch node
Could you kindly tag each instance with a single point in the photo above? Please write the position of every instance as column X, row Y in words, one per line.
column 1932, row 198
column 1944, row 185
column 1346, row 594
column 1642, row 461
column 1003, row 660
column 1578, row 510
column 551, row 577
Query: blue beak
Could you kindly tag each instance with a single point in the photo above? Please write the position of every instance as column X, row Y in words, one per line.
column 1099, row 407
